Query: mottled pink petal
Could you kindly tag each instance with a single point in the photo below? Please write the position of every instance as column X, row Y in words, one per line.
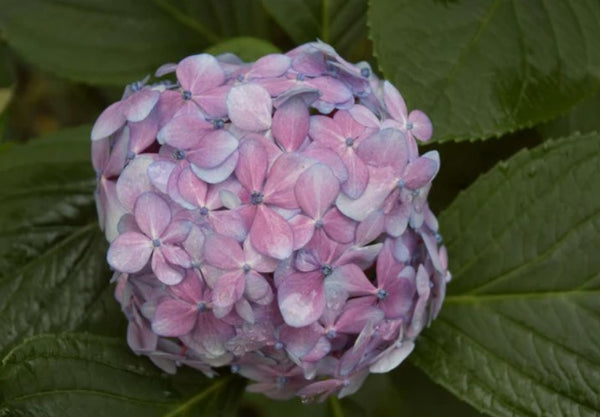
column 129, row 252
column 381, row 183
column 316, row 190
column 109, row 121
column 249, row 107
column 400, row 297
column 349, row 126
column 244, row 310
column 385, row 148
column 301, row 298
column 119, row 154
column 139, row 105
column 159, row 172
column 328, row 157
column 270, row 66
column 228, row 223
column 214, row 101
column 229, row 288
column 303, row 228
column 165, row 69
column 290, row 124
column 339, row 227
column 422, row 170
column 309, row 63
column 192, row 188
column 392, row 357
column 351, row 279
column 112, row 210
column 279, row 186
column 252, row 165
column 326, row 132
column 140, row 337
column 174, row 318
column 370, row 228
column 364, row 116
column 394, row 102
column 257, row 287
column 219, row 173
column 176, row 255
column 271, row 234
column 358, row 174
column 421, row 128
column 184, row 132
column 213, row 149
column 223, row 252
column 332, row 90
column 397, row 220
column 362, row 256
column 134, row 180
column 257, row 260
column 356, row 316
column 198, row 73
column 152, row 214
column 166, row 273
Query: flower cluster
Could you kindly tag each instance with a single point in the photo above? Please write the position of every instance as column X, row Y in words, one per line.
column 271, row 217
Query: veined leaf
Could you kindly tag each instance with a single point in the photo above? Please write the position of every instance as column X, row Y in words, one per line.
column 247, row 48
column 582, row 118
column 519, row 333
column 484, row 68
column 52, row 254
column 81, row 374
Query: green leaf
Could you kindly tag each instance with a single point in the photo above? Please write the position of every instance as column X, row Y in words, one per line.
column 88, row 375
column 52, row 254
column 519, row 333
column 484, row 68
column 247, row 48
column 341, row 23
column 582, row 118
column 7, row 79
column 97, row 41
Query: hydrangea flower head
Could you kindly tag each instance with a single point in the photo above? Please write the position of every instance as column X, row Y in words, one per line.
column 271, row 217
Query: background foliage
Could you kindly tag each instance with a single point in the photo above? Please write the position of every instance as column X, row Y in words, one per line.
column 513, row 91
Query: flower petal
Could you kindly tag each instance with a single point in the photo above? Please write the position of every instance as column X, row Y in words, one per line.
column 185, row 131
column 316, row 190
column 217, row 174
column 290, row 124
column 339, row 227
column 358, row 174
column 392, row 358
column 129, row 252
column 174, row 318
column 249, row 107
column 385, row 148
column 134, row 181
column 139, row 105
column 252, row 165
column 198, row 73
column 228, row 289
column 283, row 175
column 422, row 128
column 166, row 273
column 394, row 102
column 152, row 214
column 271, row 234
column 422, row 170
column 109, row 121
column 301, row 298
column 212, row 149
column 351, row 279
column 176, row 255
column 303, row 228
column 326, row 132
column 223, row 252
column 192, row 188
column 269, row 66
column 159, row 172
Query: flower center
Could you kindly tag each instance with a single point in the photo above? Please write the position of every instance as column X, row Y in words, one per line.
column 256, row 198
column 401, row 183
column 156, row 243
column 409, row 126
column 246, row 268
column 218, row 124
column 179, row 154
column 300, row 77
column 186, row 95
column 365, row 72
column 381, row 294
column 201, row 306
column 319, row 224
column 203, row 211
column 326, row 270
column 349, row 142
column 331, row 334
column 130, row 155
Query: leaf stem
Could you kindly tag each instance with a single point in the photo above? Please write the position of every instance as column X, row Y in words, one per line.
column 196, row 398
column 186, row 20
column 336, row 407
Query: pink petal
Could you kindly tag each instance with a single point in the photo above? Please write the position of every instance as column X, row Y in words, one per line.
column 165, row 69
column 213, row 149
column 311, row 64
column 362, row 256
column 129, row 252
column 200, row 73
column 358, row 174
column 370, row 228
column 152, row 214
column 176, row 255
column 290, row 124
column 356, row 316
column 140, row 337
column 228, row 223
column 219, row 173
column 174, row 318
column 118, row 155
column 326, row 132
column 223, row 252
column 392, row 358
column 394, row 102
column 422, row 170
column 269, row 66
column 249, row 107
column 316, row 190
column 400, row 298
column 257, row 288
column 159, row 172
column 422, row 128
column 258, row 261
column 339, row 227
column 279, row 186
column 244, row 310
column 164, row 272
column 139, row 105
column 109, row 121
column 303, row 228
column 173, row 189
column 301, row 298
column 184, row 132
column 385, row 148
column 112, row 210
column 328, row 157
column 134, row 180
column 332, row 90
column 192, row 188
column 252, row 166
column 271, row 234
column 351, row 279
column 397, row 220
column 364, row 116
column 228, row 289
column 214, row 101
column 349, row 126
column 381, row 183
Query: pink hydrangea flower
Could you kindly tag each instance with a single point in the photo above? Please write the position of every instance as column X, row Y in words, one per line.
column 271, row 217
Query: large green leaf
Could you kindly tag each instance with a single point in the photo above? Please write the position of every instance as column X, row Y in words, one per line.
column 97, row 41
column 342, row 23
column 52, row 255
column 519, row 333
column 247, row 48
column 484, row 68
column 582, row 118
column 88, row 375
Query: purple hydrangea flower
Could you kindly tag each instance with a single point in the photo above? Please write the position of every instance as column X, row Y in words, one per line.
column 271, row 217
